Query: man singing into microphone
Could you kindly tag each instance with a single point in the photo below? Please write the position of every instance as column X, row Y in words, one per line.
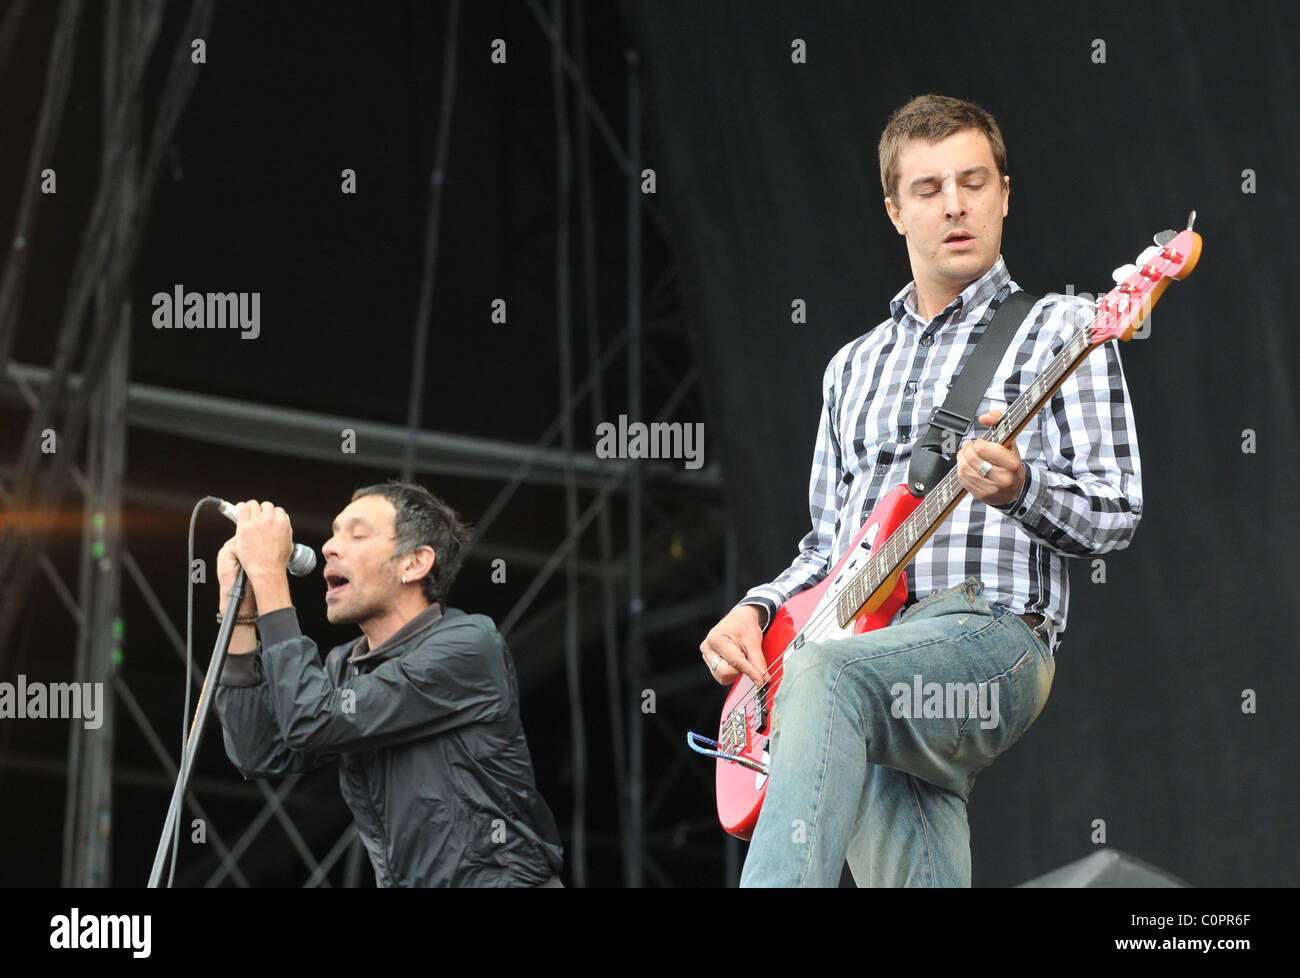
column 421, row 712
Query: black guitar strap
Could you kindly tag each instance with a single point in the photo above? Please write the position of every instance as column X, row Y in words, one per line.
column 950, row 423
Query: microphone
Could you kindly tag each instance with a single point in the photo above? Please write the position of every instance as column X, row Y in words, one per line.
column 303, row 559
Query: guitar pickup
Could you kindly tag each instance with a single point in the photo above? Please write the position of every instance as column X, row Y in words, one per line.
column 850, row 565
column 760, row 710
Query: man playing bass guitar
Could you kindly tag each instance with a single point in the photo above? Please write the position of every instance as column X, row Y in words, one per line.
column 857, row 772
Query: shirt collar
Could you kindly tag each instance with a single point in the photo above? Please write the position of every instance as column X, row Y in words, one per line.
column 423, row 620
column 972, row 297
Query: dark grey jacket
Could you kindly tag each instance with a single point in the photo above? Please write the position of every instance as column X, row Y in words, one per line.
column 432, row 756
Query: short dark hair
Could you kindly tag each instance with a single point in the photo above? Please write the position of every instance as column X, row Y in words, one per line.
column 424, row 520
column 934, row 118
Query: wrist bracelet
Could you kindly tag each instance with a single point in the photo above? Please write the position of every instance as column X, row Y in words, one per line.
column 239, row 619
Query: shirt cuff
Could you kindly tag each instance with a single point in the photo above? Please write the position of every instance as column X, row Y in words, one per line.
column 278, row 626
column 765, row 606
column 243, row 669
column 1028, row 498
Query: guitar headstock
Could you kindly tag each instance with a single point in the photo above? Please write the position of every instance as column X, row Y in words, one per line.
column 1121, row 310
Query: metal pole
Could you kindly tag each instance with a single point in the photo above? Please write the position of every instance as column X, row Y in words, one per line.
column 100, row 650
column 634, row 855
column 215, row 665
column 604, row 527
column 563, row 317
column 591, row 108
column 76, row 732
column 424, row 309
column 58, row 76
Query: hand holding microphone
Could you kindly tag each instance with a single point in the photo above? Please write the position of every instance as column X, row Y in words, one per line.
column 263, row 545
column 272, row 528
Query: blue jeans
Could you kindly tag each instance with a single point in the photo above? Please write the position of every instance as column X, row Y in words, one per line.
column 877, row 740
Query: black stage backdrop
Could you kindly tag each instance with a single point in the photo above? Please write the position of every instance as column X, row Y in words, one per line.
column 770, row 176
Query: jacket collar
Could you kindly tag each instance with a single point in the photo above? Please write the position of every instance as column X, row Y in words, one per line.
column 362, row 650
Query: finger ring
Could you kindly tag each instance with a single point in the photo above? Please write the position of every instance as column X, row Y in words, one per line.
column 985, row 469
column 713, row 666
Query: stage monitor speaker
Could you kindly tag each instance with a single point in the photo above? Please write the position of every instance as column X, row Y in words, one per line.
column 1108, row 867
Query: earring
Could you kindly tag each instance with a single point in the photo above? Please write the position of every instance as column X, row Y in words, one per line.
column 403, row 578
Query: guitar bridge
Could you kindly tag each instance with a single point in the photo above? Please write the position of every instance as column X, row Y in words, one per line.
column 733, row 736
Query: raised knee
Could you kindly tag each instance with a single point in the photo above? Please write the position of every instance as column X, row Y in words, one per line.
column 809, row 670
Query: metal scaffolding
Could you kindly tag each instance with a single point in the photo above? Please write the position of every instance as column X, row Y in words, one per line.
column 626, row 588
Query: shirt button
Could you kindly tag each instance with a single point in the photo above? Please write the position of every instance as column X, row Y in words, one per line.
column 880, row 470
column 911, row 388
column 926, row 341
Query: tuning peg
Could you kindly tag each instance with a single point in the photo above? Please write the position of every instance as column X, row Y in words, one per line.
column 1164, row 237
column 1124, row 271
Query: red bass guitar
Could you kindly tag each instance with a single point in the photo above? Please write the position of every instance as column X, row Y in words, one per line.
column 868, row 585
